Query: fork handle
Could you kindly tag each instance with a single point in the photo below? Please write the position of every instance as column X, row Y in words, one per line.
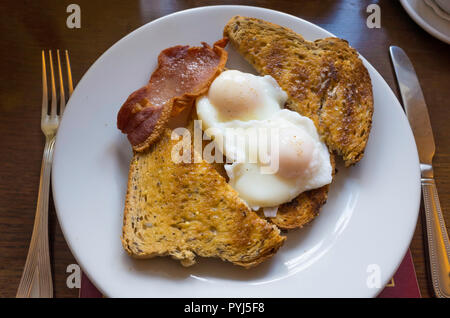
column 36, row 281
column 438, row 242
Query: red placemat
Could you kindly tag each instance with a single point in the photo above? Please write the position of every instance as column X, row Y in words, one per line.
column 402, row 285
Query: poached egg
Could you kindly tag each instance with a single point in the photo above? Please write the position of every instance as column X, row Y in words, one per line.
column 275, row 153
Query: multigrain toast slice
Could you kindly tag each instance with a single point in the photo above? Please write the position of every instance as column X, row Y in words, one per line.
column 325, row 80
column 188, row 209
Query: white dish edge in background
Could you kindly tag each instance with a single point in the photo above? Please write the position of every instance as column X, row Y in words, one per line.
column 426, row 18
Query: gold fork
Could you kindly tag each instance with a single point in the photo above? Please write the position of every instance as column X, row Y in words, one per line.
column 36, row 278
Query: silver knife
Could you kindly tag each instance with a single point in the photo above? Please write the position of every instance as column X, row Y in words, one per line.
column 417, row 113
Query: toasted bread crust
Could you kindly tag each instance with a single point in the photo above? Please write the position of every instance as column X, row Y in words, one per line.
column 301, row 210
column 325, row 80
column 188, row 209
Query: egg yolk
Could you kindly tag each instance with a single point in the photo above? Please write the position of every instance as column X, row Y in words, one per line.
column 296, row 150
column 235, row 95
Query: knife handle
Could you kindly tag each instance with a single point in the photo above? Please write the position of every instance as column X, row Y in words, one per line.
column 438, row 242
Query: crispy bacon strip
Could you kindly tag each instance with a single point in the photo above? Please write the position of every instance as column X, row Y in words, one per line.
column 183, row 73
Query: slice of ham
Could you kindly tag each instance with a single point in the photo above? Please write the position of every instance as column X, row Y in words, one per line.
column 183, row 74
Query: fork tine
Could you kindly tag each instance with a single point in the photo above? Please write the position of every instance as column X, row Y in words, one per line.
column 69, row 74
column 53, row 107
column 44, row 87
column 62, row 99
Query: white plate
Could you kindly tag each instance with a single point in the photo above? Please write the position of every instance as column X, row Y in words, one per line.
column 429, row 20
column 369, row 218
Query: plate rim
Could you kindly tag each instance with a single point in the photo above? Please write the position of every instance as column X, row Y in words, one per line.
column 271, row 11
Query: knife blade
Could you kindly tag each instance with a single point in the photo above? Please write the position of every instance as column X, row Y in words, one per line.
column 414, row 103
column 419, row 120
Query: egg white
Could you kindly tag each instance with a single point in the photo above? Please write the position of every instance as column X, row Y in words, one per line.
column 271, row 189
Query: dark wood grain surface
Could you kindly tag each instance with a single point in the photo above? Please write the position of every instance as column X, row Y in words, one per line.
column 27, row 27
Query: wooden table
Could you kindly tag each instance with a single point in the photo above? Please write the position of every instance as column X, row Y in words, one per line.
column 30, row 26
